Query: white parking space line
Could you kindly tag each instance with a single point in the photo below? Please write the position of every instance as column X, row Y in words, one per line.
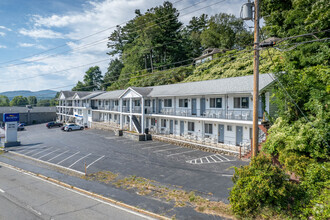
column 167, row 149
column 48, row 154
column 57, row 155
column 79, row 160
column 218, row 157
column 2, row 191
column 31, row 151
column 185, row 152
column 212, row 158
column 224, row 157
column 68, row 157
column 215, row 158
column 155, row 146
column 41, row 152
column 95, row 161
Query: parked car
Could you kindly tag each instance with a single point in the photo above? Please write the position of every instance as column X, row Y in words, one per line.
column 72, row 127
column 20, row 127
column 54, row 124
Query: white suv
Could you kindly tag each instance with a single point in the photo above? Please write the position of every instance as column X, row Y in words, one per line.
column 72, row 127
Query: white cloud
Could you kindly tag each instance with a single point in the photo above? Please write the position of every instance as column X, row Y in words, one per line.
column 31, row 45
column 96, row 15
column 25, row 45
column 5, row 28
column 2, row 34
column 3, row 46
column 41, row 33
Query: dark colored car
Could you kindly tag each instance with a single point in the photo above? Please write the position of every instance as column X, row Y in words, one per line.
column 20, row 127
column 54, row 124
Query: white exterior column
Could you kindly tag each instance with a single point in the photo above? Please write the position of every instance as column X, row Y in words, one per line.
column 121, row 113
column 130, row 114
column 142, row 116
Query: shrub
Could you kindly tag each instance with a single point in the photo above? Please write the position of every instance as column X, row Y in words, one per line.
column 262, row 187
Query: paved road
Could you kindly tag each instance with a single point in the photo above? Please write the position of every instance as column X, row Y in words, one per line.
column 101, row 150
column 27, row 197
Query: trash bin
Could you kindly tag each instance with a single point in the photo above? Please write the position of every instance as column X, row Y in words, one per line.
column 146, row 131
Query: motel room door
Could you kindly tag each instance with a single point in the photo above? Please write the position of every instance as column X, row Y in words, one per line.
column 193, row 106
column 221, row 134
column 202, row 106
column 239, row 135
column 171, row 127
column 181, row 128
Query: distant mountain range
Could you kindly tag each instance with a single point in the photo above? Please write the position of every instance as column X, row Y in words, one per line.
column 42, row 94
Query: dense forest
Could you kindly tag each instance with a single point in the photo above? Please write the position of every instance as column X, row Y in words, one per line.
column 290, row 178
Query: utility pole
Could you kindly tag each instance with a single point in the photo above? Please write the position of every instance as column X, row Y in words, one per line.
column 255, row 80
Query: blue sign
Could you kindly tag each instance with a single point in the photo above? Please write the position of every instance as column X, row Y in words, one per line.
column 8, row 117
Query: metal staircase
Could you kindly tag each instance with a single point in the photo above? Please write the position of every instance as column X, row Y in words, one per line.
column 136, row 123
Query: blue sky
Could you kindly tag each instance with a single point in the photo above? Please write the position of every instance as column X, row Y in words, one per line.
column 30, row 27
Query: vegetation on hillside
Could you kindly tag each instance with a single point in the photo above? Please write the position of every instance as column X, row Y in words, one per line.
column 299, row 138
column 155, row 49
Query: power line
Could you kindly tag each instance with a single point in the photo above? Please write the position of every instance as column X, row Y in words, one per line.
column 147, row 74
column 63, row 45
column 190, row 59
column 103, row 39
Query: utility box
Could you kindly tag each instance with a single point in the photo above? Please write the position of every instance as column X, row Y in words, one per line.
column 247, row 11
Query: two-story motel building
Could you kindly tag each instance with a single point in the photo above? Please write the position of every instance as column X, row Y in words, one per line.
column 212, row 111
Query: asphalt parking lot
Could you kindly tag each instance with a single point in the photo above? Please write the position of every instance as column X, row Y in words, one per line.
column 101, row 150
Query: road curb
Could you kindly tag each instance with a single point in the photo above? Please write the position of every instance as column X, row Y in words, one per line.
column 88, row 193
column 45, row 162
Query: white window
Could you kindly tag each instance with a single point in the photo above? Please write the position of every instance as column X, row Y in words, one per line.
column 215, row 102
column 183, row 103
column 153, row 121
column 208, row 129
column 191, row 126
column 116, row 102
column 124, row 102
column 167, row 102
column 110, row 116
column 106, row 102
column 229, row 128
column 89, row 112
column 163, row 123
column 116, row 117
column 241, row 102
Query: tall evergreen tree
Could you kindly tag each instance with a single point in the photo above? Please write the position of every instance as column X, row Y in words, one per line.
column 93, row 80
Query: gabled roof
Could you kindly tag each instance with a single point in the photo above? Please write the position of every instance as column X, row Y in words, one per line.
column 68, row 94
column 109, row 95
column 208, row 52
column 92, row 95
column 80, row 95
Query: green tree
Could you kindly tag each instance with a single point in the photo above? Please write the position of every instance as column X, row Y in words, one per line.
column 113, row 72
column 192, row 35
column 44, row 103
column 284, row 18
column 4, row 101
column 93, row 80
column 19, row 101
column 226, row 32
column 32, row 100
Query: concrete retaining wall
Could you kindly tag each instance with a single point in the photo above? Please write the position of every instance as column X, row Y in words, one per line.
column 195, row 145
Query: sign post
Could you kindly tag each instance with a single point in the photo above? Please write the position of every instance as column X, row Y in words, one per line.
column 10, row 129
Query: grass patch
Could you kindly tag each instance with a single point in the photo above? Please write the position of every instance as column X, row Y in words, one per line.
column 168, row 193
column 102, row 176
